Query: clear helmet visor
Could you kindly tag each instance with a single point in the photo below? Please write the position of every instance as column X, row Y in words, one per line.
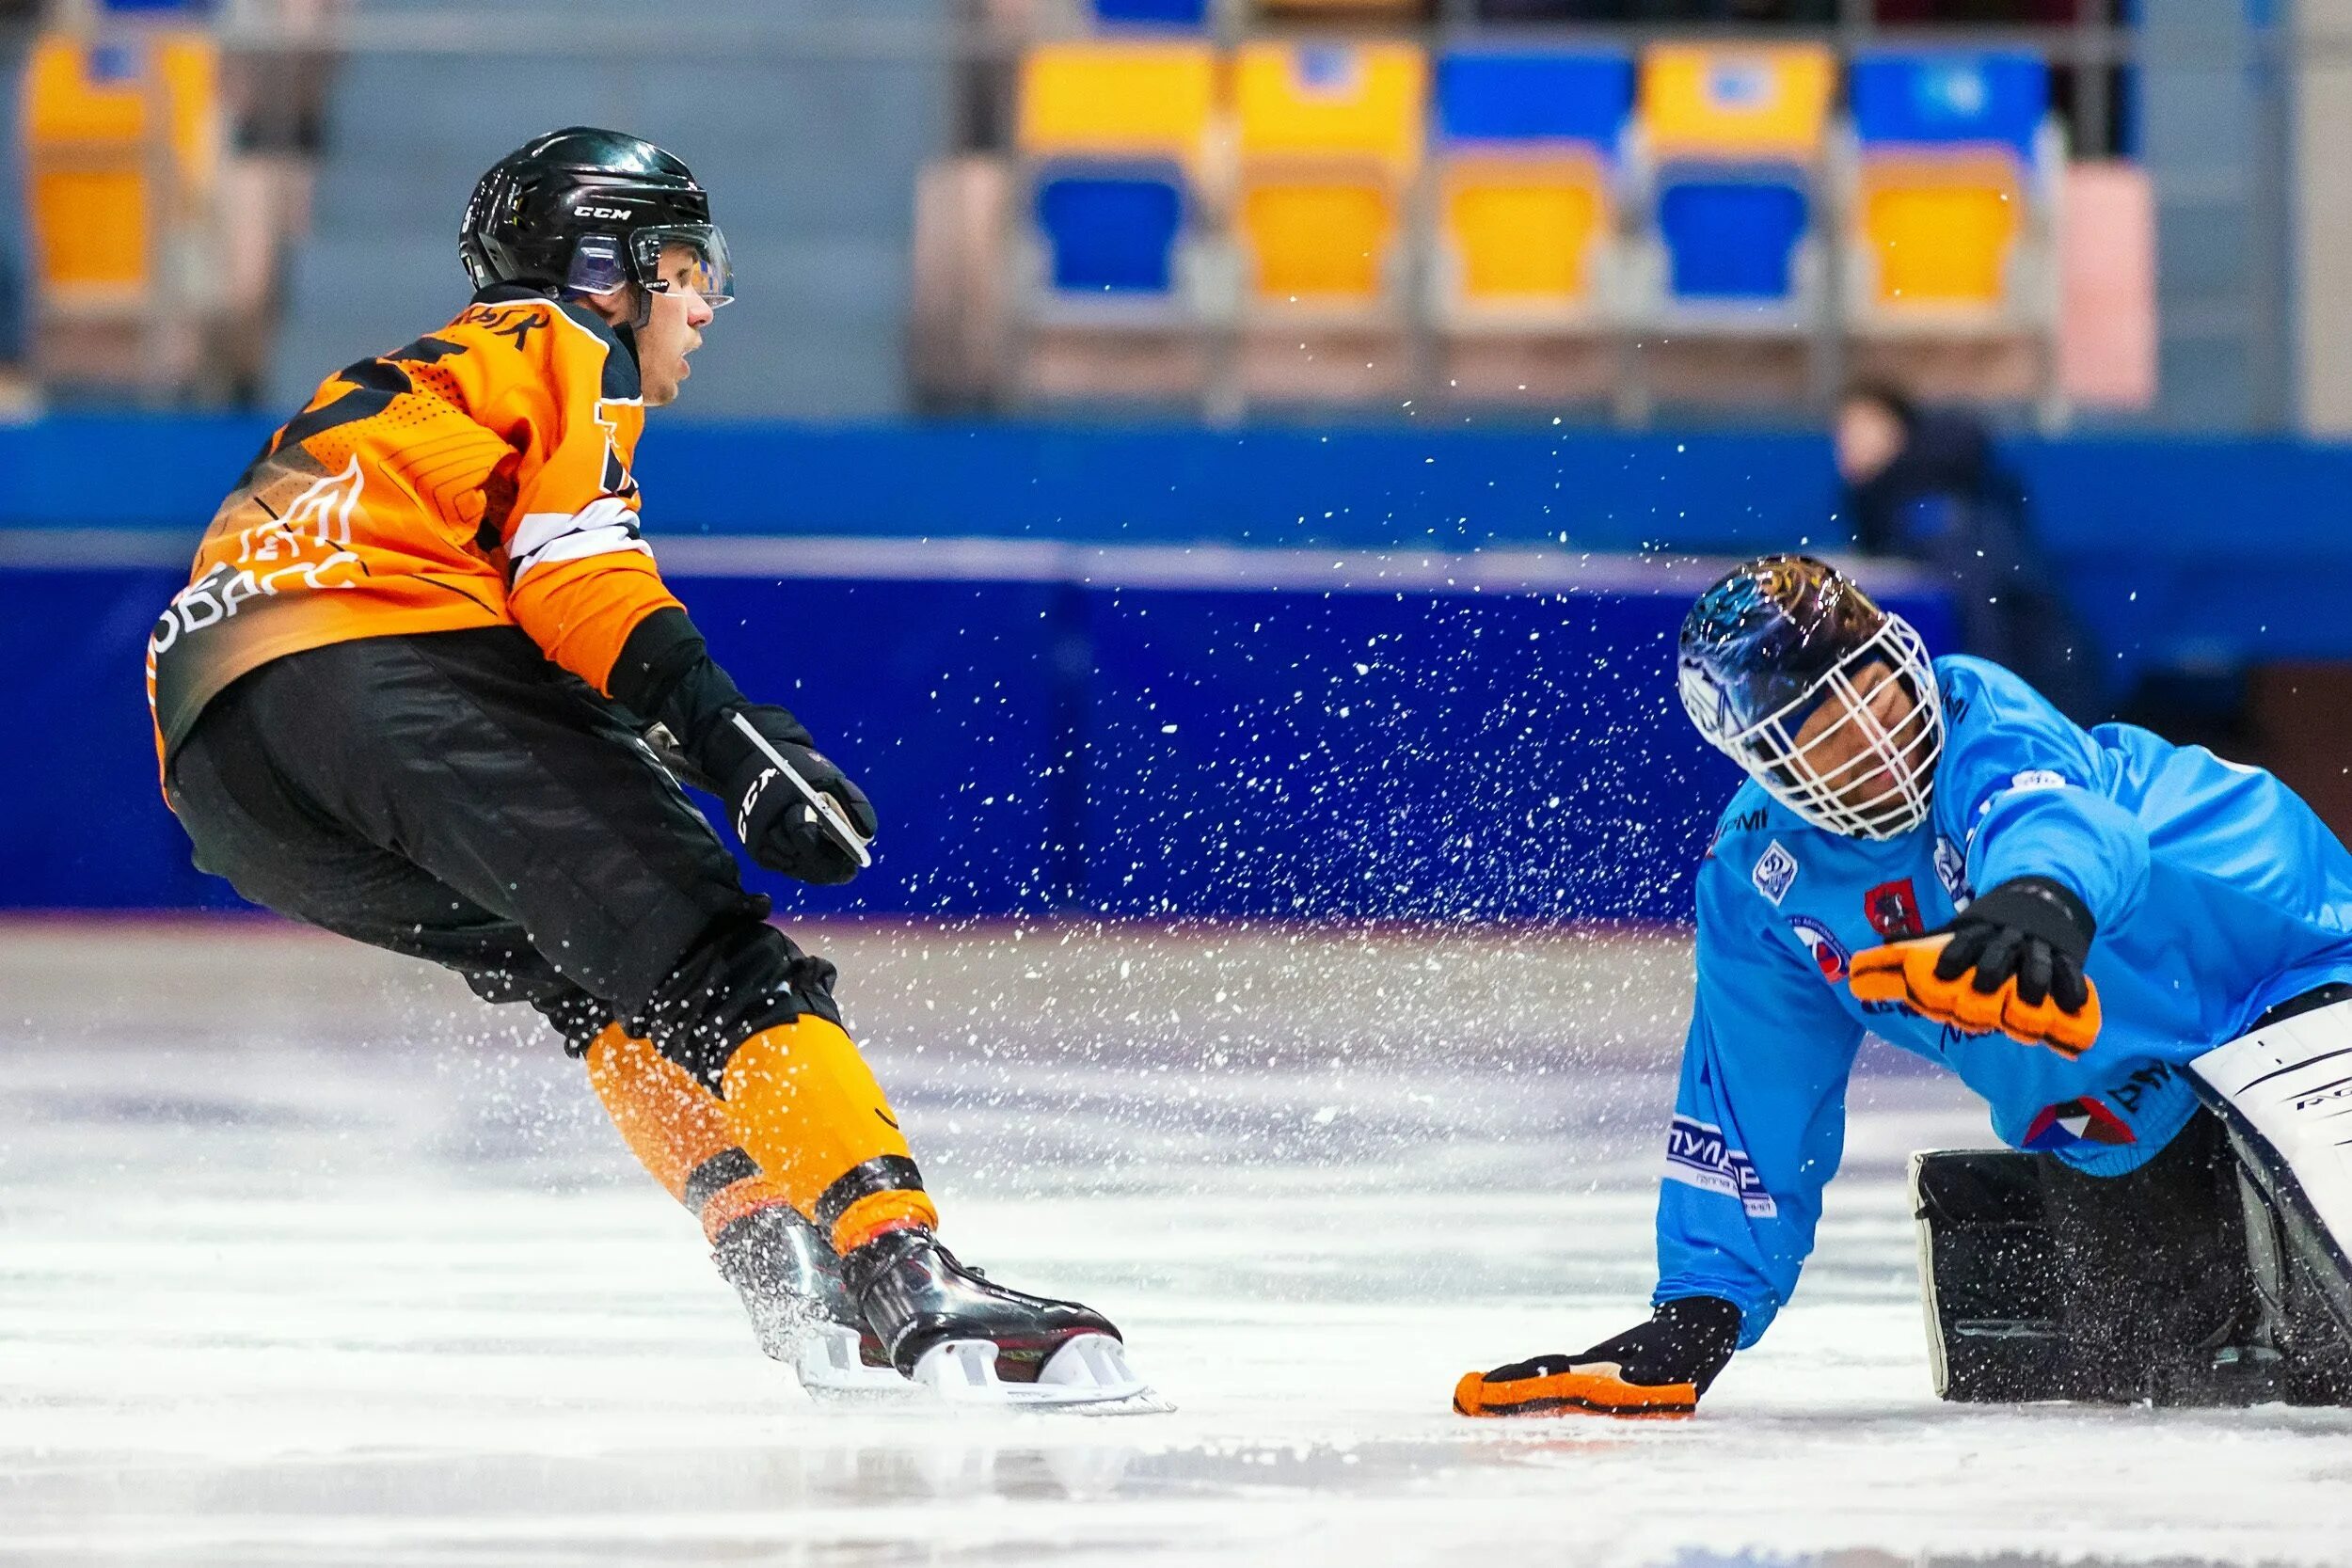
column 1856, row 752
column 699, row 247
column 652, row 258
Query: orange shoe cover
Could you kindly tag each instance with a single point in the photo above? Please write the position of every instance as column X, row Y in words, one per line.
column 803, row 1104
column 1592, row 1389
column 678, row 1131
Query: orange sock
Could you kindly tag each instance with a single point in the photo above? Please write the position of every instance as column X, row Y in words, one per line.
column 678, row 1131
column 805, row 1105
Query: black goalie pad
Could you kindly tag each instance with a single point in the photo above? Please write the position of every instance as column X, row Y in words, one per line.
column 1988, row 1276
column 2174, row 1285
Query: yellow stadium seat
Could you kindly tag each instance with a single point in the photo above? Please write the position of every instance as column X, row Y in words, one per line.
column 1738, row 103
column 100, row 123
column 1116, row 100
column 1318, row 241
column 1939, row 234
column 1523, row 230
column 1362, row 101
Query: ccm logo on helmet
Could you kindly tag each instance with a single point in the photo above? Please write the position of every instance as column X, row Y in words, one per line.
column 599, row 212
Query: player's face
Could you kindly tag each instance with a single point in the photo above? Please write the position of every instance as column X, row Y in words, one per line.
column 674, row 329
column 1852, row 747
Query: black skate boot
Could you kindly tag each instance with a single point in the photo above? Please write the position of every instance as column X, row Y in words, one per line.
column 952, row 1330
column 801, row 1311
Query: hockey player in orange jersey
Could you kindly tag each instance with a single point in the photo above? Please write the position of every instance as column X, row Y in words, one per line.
column 405, row 695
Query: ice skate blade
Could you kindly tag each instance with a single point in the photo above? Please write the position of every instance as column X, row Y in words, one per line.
column 831, row 1373
column 1088, row 1375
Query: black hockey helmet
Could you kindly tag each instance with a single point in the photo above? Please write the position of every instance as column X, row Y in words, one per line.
column 1771, row 642
column 588, row 209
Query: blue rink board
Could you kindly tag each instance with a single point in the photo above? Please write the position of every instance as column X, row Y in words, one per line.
column 1042, row 745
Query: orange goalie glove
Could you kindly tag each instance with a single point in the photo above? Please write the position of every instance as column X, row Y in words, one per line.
column 2012, row 961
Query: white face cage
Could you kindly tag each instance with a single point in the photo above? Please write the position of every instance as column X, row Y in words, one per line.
column 1859, row 776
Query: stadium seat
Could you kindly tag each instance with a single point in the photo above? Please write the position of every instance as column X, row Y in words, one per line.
column 1124, row 99
column 1732, row 241
column 1152, row 13
column 1946, row 192
column 1521, row 232
column 1328, row 142
column 1110, row 235
column 101, row 123
column 1527, row 148
column 1329, row 138
column 1736, row 142
column 1546, row 97
column 1949, row 99
column 1746, row 103
column 1114, row 133
column 1939, row 236
column 1355, row 9
column 1361, row 101
column 1113, row 136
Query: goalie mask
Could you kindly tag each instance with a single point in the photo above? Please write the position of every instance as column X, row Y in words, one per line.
column 1826, row 700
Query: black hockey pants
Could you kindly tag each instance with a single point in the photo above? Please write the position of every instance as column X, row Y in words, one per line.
column 455, row 797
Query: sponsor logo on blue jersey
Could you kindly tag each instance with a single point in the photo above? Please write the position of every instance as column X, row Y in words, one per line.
column 1951, row 869
column 1776, row 869
column 2087, row 1120
column 1697, row 1155
column 1893, row 909
column 1821, row 945
column 1742, row 822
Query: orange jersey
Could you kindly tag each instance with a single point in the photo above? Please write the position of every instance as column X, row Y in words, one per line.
column 478, row 477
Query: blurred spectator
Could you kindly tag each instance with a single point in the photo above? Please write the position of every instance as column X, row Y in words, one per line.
column 1924, row 486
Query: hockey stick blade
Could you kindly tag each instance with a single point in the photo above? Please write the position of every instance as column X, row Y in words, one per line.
column 828, row 810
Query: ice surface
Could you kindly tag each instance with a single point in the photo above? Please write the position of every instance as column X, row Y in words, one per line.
column 307, row 1260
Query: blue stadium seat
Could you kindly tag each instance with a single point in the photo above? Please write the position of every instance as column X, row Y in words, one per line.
column 1732, row 240
column 1943, row 98
column 1153, row 13
column 1535, row 95
column 1111, row 233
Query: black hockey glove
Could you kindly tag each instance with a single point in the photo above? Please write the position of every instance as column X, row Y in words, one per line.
column 2012, row 961
column 1659, row 1368
column 779, row 828
column 665, row 675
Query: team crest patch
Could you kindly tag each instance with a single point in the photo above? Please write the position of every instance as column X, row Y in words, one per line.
column 1893, row 909
column 1951, row 869
column 1775, row 870
column 2087, row 1120
column 1698, row 1155
column 1821, row 945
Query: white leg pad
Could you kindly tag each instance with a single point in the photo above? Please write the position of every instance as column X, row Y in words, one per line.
column 2287, row 1090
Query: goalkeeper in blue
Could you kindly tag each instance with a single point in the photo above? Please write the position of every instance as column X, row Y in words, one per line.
column 2139, row 954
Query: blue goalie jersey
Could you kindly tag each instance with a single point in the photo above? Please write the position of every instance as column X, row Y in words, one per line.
column 2217, row 891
